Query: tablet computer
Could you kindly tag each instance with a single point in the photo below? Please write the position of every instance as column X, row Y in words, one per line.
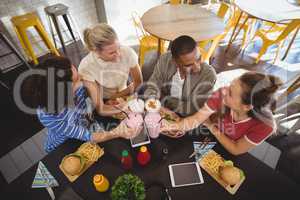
column 184, row 174
column 142, row 139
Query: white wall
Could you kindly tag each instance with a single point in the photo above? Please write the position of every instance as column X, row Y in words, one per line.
column 83, row 12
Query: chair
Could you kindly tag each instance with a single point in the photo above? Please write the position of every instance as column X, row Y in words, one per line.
column 207, row 52
column 175, row 2
column 21, row 24
column 233, row 19
column 211, row 4
column 2, row 83
column 244, row 26
column 268, row 41
column 270, row 27
column 238, row 21
column 13, row 53
column 147, row 41
column 291, row 88
column 266, row 28
column 10, row 58
column 60, row 10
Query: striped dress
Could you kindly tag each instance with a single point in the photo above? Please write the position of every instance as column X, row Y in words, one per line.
column 69, row 123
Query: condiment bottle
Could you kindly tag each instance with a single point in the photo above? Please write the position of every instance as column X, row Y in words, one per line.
column 126, row 160
column 101, row 183
column 143, row 156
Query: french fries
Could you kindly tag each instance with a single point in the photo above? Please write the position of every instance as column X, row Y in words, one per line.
column 91, row 152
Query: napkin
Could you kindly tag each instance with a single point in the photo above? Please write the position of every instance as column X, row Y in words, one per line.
column 200, row 151
column 43, row 178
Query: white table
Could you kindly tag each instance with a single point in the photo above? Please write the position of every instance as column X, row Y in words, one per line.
column 270, row 10
column 276, row 11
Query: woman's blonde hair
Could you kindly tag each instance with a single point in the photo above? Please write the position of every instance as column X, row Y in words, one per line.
column 100, row 35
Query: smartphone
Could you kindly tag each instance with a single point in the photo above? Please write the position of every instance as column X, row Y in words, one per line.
column 142, row 139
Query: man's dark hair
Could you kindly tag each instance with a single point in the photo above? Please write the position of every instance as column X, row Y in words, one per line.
column 182, row 45
column 56, row 73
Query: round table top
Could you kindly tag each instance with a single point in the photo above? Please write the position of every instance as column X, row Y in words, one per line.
column 171, row 21
column 270, row 10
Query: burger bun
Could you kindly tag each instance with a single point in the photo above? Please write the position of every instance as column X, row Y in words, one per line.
column 72, row 164
column 230, row 174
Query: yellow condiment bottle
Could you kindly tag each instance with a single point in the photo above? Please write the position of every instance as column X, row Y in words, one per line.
column 101, row 183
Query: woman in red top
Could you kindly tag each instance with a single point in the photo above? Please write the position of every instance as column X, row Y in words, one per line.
column 239, row 116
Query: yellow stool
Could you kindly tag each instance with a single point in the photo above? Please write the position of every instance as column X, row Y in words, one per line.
column 21, row 23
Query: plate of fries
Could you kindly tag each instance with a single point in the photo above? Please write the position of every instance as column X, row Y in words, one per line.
column 90, row 152
column 212, row 162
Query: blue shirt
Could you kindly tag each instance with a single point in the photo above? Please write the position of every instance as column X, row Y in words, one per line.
column 69, row 123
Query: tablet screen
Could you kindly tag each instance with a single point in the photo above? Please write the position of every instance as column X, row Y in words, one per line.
column 184, row 174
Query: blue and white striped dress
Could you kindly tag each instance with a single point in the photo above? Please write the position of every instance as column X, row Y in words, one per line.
column 69, row 123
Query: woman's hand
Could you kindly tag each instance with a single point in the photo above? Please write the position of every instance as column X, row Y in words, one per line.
column 209, row 124
column 125, row 132
column 174, row 134
column 121, row 103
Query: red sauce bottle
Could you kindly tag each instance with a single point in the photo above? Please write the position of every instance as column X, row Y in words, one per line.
column 143, row 156
column 126, row 160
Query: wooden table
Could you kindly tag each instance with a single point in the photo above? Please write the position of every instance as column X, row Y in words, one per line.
column 267, row 10
column 168, row 22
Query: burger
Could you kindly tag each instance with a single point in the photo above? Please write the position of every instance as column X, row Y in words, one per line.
column 73, row 164
column 230, row 174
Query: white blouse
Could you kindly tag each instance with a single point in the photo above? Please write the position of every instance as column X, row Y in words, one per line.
column 112, row 76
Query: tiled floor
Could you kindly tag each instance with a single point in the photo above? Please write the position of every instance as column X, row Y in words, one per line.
column 266, row 153
column 23, row 156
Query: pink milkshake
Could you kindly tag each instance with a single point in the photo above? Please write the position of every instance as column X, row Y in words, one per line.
column 153, row 118
column 153, row 123
column 135, row 120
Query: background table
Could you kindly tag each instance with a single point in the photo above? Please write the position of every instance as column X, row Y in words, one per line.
column 168, row 22
column 261, row 182
column 275, row 11
column 270, row 10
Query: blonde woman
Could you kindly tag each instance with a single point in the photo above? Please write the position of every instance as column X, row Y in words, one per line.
column 105, row 70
